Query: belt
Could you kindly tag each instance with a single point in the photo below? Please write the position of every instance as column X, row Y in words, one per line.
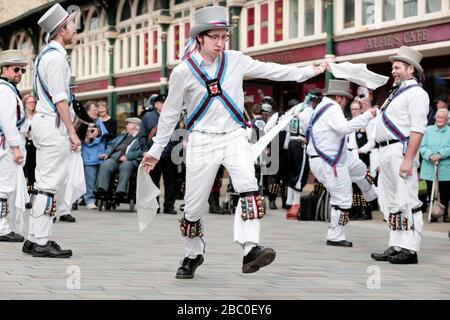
column 216, row 133
column 48, row 194
column 386, row 143
column 416, row 209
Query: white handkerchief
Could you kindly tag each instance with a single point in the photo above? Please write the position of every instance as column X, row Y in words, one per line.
column 358, row 73
column 76, row 183
column 146, row 194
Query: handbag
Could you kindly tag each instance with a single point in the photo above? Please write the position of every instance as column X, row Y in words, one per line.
column 438, row 208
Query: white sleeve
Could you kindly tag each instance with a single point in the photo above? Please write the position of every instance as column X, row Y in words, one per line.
column 344, row 127
column 273, row 71
column 56, row 77
column 418, row 105
column 170, row 114
column 8, row 117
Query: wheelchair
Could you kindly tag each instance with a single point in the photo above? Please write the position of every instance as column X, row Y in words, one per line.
column 108, row 201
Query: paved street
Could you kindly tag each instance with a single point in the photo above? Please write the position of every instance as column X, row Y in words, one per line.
column 113, row 260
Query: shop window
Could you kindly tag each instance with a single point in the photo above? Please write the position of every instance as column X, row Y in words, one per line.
column 324, row 16
column 388, row 10
column 433, row 5
column 293, row 19
column 349, row 13
column 309, row 17
column 409, row 8
column 368, row 12
column 278, row 20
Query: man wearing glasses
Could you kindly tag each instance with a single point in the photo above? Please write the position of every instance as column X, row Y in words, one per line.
column 53, row 132
column 209, row 81
column 13, row 129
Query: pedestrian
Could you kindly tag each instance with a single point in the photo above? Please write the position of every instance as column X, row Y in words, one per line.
column 209, row 82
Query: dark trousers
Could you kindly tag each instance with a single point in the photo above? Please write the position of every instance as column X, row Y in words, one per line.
column 168, row 170
column 444, row 191
column 298, row 164
column 30, row 164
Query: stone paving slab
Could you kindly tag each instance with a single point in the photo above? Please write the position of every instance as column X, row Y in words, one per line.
column 116, row 261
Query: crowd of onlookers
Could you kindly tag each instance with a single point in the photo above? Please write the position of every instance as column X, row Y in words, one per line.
column 106, row 153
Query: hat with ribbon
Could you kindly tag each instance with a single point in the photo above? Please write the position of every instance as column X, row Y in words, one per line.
column 208, row 18
column 409, row 56
column 339, row 88
column 54, row 19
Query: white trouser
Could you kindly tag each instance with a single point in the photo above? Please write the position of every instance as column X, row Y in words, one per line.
column 8, row 184
column 52, row 163
column 391, row 158
column 205, row 153
column 349, row 169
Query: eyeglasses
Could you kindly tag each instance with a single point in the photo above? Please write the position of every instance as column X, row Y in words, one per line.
column 216, row 37
column 17, row 69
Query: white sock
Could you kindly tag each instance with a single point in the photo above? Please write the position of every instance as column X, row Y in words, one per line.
column 296, row 196
column 289, row 198
column 248, row 246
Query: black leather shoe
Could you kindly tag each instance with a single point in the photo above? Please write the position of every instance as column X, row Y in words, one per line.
column 404, row 257
column 27, row 247
column 188, row 266
column 215, row 208
column 100, row 192
column 67, row 218
column 446, row 219
column 169, row 211
column 273, row 205
column 120, row 195
column 12, row 237
column 342, row 243
column 385, row 255
column 51, row 250
column 257, row 258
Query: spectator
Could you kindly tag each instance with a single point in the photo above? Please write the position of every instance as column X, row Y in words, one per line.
column 110, row 123
column 91, row 148
column 435, row 149
column 165, row 166
column 121, row 155
column 29, row 103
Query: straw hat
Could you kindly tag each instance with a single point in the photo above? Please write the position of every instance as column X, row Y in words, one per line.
column 13, row 57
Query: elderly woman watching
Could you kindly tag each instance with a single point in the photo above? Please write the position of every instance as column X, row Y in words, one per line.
column 435, row 149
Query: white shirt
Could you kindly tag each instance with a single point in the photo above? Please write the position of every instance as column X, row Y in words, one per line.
column 304, row 117
column 55, row 73
column 8, row 117
column 332, row 126
column 184, row 87
column 408, row 111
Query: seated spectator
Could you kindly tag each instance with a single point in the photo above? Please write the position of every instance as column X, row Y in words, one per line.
column 435, row 149
column 121, row 155
column 92, row 146
column 110, row 123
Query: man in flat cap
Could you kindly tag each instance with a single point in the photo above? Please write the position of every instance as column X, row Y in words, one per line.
column 330, row 160
column 54, row 134
column 398, row 132
column 209, row 82
column 120, row 156
column 13, row 128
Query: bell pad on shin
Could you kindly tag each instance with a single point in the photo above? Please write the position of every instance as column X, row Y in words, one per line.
column 398, row 221
column 250, row 201
column 4, row 208
column 191, row 229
